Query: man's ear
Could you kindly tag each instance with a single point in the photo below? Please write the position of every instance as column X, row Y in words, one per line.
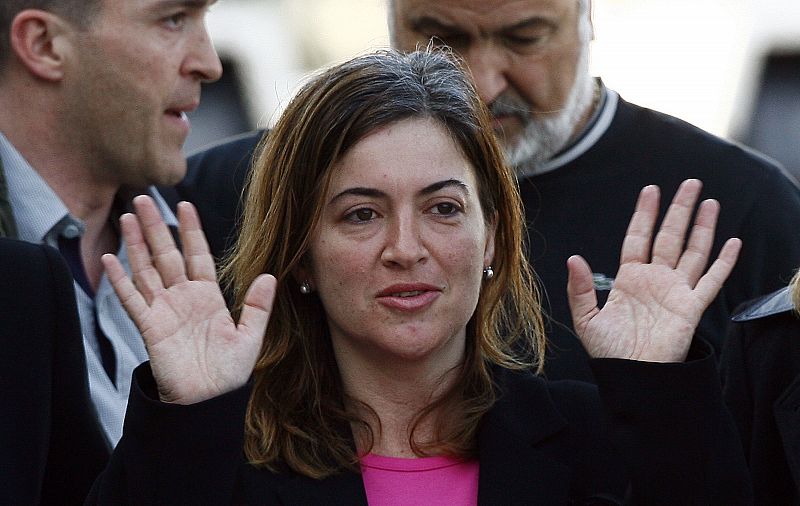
column 40, row 40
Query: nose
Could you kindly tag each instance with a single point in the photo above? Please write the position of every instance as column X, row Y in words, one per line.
column 488, row 67
column 404, row 246
column 202, row 61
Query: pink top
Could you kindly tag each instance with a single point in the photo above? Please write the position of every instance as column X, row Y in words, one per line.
column 429, row 481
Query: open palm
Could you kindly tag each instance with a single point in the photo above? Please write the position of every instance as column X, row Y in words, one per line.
column 196, row 349
column 662, row 286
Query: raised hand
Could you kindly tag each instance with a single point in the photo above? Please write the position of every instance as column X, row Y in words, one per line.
column 196, row 349
column 661, row 288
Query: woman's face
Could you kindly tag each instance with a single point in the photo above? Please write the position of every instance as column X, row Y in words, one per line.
column 399, row 254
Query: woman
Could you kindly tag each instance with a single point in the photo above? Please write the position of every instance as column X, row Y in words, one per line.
column 761, row 375
column 393, row 229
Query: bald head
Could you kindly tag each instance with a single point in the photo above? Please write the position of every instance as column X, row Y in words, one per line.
column 529, row 60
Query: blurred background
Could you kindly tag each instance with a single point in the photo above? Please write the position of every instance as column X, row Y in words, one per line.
column 729, row 66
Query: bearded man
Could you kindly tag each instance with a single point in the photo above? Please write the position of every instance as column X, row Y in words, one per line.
column 579, row 149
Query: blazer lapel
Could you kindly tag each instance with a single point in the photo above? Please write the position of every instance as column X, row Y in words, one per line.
column 512, row 470
column 346, row 489
column 787, row 417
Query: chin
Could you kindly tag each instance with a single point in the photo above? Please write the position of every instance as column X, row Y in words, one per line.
column 170, row 171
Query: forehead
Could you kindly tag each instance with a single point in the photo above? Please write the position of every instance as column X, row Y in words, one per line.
column 403, row 155
column 152, row 5
column 481, row 13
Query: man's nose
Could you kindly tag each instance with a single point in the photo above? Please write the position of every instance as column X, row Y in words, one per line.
column 488, row 67
column 202, row 60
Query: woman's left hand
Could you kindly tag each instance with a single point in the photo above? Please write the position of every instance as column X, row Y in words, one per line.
column 662, row 286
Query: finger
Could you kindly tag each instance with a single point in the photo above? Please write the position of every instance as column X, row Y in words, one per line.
column 131, row 299
column 670, row 239
column 710, row 283
column 145, row 277
column 166, row 257
column 199, row 262
column 694, row 259
column 580, row 292
column 257, row 306
column 639, row 236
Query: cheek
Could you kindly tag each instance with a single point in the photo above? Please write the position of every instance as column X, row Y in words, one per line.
column 465, row 256
column 337, row 269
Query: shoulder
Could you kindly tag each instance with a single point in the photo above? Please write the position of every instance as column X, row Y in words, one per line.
column 673, row 135
column 230, row 152
column 24, row 264
column 535, row 404
column 777, row 302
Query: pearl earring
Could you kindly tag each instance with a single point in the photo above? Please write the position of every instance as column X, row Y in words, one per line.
column 488, row 272
column 305, row 288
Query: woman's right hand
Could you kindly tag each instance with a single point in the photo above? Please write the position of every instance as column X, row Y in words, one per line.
column 196, row 349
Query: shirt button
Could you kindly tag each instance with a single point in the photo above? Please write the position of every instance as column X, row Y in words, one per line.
column 71, row 231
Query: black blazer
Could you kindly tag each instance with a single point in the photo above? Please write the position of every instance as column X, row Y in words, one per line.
column 761, row 374
column 51, row 444
column 669, row 441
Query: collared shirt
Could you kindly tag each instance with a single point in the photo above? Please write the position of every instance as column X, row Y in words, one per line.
column 42, row 217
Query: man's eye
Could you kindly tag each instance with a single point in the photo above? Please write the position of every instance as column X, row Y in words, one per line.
column 176, row 20
column 452, row 40
column 445, row 208
column 522, row 41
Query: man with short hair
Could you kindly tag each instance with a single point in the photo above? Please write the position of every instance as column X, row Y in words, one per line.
column 93, row 103
column 579, row 149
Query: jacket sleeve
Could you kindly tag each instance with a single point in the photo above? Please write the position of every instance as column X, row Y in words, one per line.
column 673, row 431
column 173, row 454
column 51, row 444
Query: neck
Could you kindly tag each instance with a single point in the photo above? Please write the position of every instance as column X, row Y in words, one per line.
column 66, row 168
column 396, row 395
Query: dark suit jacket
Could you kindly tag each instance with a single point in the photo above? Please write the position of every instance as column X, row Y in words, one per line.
column 670, row 441
column 51, row 444
column 214, row 182
column 761, row 374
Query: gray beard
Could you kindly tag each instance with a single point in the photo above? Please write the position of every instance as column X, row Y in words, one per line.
column 546, row 133
column 543, row 137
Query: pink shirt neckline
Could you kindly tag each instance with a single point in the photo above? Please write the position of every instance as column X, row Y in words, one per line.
column 409, row 464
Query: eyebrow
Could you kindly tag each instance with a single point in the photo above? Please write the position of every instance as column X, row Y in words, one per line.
column 427, row 23
column 430, row 24
column 531, row 22
column 194, row 4
column 362, row 191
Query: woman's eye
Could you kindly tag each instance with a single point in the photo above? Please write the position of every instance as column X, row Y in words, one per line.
column 363, row 214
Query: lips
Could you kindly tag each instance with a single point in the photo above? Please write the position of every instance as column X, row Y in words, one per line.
column 176, row 113
column 177, row 116
column 408, row 297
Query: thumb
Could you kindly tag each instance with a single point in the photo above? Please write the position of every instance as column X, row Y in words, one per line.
column 257, row 306
column 580, row 292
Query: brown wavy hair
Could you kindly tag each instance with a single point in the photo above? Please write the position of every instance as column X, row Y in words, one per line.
column 297, row 417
